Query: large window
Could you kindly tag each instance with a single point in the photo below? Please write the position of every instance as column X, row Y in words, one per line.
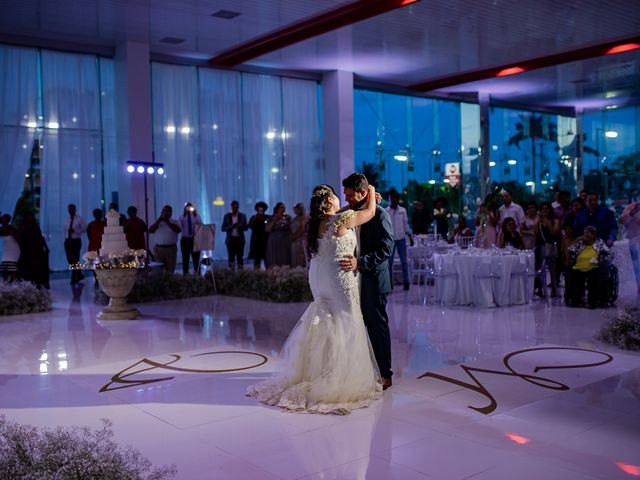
column 532, row 153
column 227, row 136
column 612, row 154
column 51, row 138
column 407, row 143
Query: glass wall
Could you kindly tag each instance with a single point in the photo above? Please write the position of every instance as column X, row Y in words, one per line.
column 532, row 153
column 226, row 136
column 612, row 154
column 51, row 138
column 422, row 147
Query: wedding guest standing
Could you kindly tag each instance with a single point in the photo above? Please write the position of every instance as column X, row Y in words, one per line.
column 420, row 219
column 258, row 245
column 34, row 252
column 135, row 229
column 441, row 217
column 188, row 222
column 599, row 217
column 510, row 209
column 401, row 233
column 95, row 230
column 630, row 218
column 548, row 240
column 74, row 227
column 234, row 224
column 278, row 245
column 529, row 227
column 166, row 230
column 487, row 222
column 298, row 228
column 10, row 249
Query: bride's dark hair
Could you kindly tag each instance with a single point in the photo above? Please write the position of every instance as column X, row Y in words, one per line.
column 318, row 206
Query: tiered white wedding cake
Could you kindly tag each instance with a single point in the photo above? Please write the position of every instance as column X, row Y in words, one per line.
column 114, row 240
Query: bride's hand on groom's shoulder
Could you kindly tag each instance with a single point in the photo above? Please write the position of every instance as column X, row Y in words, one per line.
column 378, row 197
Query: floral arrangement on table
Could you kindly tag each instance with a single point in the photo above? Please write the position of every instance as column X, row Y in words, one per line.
column 125, row 259
column 71, row 452
column 23, row 297
column 622, row 329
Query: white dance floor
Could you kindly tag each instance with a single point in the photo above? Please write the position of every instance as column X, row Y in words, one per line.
column 518, row 392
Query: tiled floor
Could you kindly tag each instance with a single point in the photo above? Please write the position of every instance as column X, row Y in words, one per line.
column 553, row 423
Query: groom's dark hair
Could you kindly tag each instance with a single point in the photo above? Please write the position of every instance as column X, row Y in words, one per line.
column 357, row 181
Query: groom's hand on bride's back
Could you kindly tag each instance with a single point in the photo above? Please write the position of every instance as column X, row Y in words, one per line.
column 349, row 264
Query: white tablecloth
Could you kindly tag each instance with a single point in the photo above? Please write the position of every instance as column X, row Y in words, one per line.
column 459, row 278
column 627, row 289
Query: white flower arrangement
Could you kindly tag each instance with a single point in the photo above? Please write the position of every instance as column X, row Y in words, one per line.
column 126, row 259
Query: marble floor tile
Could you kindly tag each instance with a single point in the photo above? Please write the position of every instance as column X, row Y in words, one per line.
column 53, row 367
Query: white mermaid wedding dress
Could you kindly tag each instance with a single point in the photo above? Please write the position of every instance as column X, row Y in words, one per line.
column 327, row 363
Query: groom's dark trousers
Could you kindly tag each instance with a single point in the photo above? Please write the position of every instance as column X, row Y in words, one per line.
column 376, row 245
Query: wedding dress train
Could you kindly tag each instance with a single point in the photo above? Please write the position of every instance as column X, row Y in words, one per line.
column 327, row 363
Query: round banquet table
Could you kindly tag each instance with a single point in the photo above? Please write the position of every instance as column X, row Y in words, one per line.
column 462, row 278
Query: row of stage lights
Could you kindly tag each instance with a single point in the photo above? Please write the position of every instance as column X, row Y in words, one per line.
column 145, row 167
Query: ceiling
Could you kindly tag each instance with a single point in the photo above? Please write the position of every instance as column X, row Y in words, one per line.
column 414, row 44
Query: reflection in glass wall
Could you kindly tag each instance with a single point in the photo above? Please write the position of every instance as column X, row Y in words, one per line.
column 532, row 154
column 424, row 148
column 612, row 154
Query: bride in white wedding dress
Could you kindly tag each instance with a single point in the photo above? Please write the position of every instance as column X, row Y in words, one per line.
column 327, row 364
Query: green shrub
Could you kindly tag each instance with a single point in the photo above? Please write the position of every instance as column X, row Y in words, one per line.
column 280, row 285
column 23, row 297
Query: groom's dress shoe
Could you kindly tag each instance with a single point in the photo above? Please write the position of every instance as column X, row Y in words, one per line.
column 386, row 383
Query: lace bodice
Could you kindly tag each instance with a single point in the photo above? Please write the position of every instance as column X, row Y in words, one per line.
column 327, row 279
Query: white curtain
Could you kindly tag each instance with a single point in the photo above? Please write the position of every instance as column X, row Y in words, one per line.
column 117, row 182
column 71, row 158
column 221, row 146
column 19, row 108
column 19, row 100
column 302, row 159
column 227, row 136
column 175, row 136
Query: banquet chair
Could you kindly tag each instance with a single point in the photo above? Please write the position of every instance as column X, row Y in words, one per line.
column 487, row 272
column 465, row 242
column 528, row 274
column 440, row 274
column 420, row 267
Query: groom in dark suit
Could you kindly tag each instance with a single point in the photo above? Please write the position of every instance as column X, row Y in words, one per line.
column 375, row 245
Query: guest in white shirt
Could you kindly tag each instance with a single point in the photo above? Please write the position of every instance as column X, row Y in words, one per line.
column 510, row 209
column 166, row 230
column 74, row 227
column 188, row 222
column 401, row 233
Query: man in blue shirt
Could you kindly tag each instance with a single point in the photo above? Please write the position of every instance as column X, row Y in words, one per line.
column 600, row 217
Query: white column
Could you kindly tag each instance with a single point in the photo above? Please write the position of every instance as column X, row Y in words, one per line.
column 337, row 115
column 133, row 117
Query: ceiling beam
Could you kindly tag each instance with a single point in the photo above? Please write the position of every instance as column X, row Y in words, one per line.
column 525, row 65
column 305, row 29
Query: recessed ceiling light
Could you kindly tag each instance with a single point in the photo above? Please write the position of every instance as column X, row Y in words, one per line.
column 226, row 14
column 172, row 40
